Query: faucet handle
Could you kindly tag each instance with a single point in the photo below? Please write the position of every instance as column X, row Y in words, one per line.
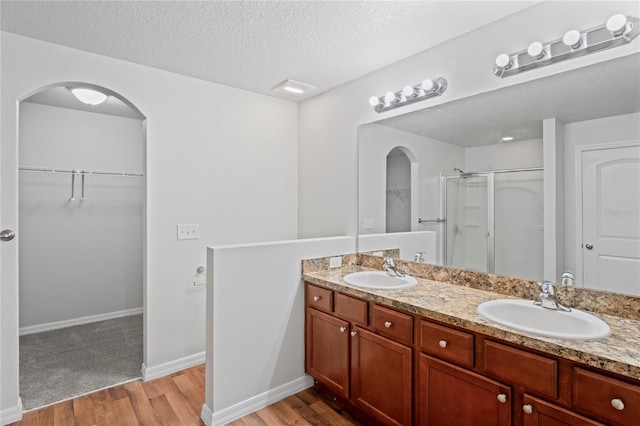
column 389, row 261
column 547, row 287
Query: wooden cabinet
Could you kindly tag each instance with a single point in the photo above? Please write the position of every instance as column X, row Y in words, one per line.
column 452, row 395
column 327, row 351
column 402, row 369
column 349, row 358
column 381, row 372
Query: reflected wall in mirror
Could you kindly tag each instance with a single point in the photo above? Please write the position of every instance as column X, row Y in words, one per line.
column 528, row 181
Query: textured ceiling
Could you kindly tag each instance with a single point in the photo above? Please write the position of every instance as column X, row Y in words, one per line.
column 600, row 90
column 254, row 45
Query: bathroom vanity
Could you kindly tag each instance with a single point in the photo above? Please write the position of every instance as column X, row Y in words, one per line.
column 424, row 356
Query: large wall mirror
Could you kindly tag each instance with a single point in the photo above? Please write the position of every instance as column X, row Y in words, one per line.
column 528, row 181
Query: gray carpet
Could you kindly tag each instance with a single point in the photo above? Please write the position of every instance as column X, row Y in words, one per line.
column 60, row 364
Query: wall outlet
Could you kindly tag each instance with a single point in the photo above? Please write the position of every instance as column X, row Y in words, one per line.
column 189, row 232
column 367, row 223
column 377, row 253
column 335, row 262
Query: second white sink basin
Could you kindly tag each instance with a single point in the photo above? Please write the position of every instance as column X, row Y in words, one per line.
column 523, row 315
column 379, row 280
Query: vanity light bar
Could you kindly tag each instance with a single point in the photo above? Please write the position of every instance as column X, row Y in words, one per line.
column 409, row 94
column 618, row 30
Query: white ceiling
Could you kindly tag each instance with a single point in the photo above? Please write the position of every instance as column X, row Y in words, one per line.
column 600, row 90
column 254, row 45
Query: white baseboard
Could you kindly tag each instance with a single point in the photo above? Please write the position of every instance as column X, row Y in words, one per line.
column 254, row 403
column 150, row 373
column 206, row 415
column 39, row 328
column 11, row 415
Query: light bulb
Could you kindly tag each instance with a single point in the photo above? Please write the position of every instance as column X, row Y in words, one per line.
column 89, row 96
column 617, row 24
column 507, row 138
column 503, row 61
column 408, row 91
column 536, row 50
column 389, row 97
column 427, row 85
column 374, row 100
column 572, row 39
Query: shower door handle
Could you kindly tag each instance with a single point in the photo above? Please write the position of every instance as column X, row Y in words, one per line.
column 7, row 235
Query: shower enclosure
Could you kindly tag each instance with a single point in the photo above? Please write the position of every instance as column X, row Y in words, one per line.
column 494, row 221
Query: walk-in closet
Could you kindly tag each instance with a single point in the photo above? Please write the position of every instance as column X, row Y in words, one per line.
column 81, row 220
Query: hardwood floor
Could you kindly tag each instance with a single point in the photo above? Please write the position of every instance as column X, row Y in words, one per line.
column 176, row 400
column 172, row 400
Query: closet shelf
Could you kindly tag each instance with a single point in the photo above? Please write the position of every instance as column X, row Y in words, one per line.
column 78, row 172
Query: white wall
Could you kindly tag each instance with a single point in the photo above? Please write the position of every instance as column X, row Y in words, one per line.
column 329, row 122
column 620, row 128
column 432, row 156
column 255, row 324
column 84, row 257
column 217, row 156
column 409, row 243
column 506, row 155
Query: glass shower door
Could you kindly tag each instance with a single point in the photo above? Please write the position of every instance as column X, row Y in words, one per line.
column 468, row 228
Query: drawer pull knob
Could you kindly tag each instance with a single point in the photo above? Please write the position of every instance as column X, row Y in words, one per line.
column 442, row 344
column 527, row 408
column 617, row 404
column 354, row 333
column 388, row 324
column 316, row 298
column 502, row 398
column 343, row 329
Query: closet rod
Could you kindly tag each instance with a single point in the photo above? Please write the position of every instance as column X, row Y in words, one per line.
column 78, row 172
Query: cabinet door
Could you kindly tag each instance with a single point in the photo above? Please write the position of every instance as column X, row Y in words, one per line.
column 381, row 377
column 541, row 413
column 452, row 395
column 327, row 351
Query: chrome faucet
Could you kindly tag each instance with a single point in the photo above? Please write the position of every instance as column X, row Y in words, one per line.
column 390, row 267
column 547, row 298
column 418, row 257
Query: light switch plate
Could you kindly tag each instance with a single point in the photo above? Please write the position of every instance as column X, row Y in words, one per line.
column 188, row 232
column 335, row 262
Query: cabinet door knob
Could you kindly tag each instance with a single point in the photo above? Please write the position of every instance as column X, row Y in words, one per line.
column 343, row 329
column 388, row 324
column 527, row 408
column 502, row 398
column 354, row 333
column 316, row 298
column 442, row 344
column 617, row 404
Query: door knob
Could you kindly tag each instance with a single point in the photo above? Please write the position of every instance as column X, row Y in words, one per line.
column 588, row 246
column 7, row 235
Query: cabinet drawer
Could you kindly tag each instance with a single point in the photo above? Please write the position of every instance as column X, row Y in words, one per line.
column 350, row 308
column 319, row 298
column 536, row 373
column 600, row 395
column 446, row 343
column 393, row 324
column 538, row 412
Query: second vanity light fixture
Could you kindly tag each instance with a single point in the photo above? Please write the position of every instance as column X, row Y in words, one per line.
column 618, row 30
column 427, row 89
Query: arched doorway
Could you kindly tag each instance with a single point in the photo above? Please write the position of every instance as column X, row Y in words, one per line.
column 82, row 192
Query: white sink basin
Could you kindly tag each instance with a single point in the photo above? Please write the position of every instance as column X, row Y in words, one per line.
column 379, row 280
column 523, row 315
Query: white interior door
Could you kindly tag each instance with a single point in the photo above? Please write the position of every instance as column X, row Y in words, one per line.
column 611, row 219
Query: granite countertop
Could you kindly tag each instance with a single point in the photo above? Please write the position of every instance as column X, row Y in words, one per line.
column 456, row 305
